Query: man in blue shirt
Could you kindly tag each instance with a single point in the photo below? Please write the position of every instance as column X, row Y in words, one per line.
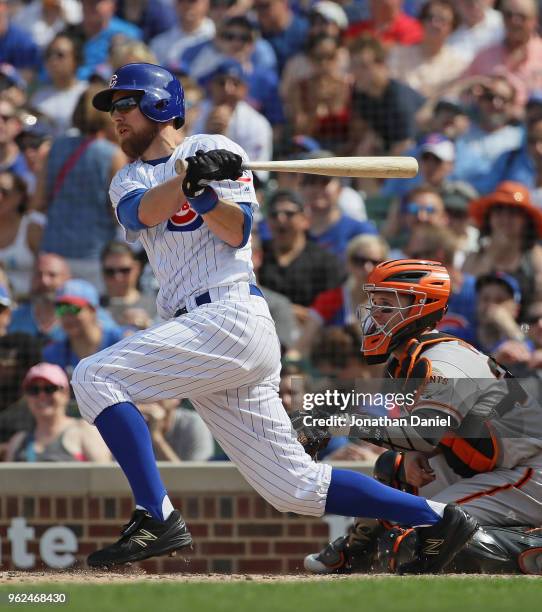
column 76, row 305
column 329, row 226
column 285, row 30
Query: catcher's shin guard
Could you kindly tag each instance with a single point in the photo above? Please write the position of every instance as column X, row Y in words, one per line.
column 351, row 553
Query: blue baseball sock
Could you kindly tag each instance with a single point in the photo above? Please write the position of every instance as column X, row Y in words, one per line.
column 126, row 434
column 354, row 494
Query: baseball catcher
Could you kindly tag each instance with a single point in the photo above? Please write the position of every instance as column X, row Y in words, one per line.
column 488, row 459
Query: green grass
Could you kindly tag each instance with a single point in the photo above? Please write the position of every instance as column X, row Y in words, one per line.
column 411, row 594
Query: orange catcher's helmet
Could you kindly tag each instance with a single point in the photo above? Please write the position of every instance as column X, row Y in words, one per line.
column 427, row 283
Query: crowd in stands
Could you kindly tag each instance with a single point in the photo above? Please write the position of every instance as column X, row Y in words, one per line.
column 455, row 83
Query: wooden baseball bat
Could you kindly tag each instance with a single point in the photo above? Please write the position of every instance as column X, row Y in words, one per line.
column 355, row 167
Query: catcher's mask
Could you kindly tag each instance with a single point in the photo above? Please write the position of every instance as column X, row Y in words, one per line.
column 426, row 283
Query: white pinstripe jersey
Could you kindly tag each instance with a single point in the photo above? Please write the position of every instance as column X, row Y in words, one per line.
column 185, row 256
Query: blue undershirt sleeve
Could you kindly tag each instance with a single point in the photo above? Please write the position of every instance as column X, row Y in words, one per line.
column 128, row 210
column 247, row 222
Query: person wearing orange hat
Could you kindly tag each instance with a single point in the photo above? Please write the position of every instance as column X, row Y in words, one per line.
column 510, row 226
column 55, row 436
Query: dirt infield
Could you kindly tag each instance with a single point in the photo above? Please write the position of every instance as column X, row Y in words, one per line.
column 139, row 575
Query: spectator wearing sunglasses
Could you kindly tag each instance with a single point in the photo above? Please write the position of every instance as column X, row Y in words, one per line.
column 519, row 54
column 237, row 40
column 293, row 265
column 121, row 271
column 57, row 99
column 493, row 129
column 193, row 26
column 76, row 304
column 422, row 206
column 338, row 306
column 54, row 436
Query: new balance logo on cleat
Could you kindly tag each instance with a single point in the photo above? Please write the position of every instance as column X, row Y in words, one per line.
column 432, row 547
column 144, row 537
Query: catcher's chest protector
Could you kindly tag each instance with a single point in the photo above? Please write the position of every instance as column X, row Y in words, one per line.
column 473, row 447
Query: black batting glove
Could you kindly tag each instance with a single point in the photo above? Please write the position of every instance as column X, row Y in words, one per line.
column 215, row 165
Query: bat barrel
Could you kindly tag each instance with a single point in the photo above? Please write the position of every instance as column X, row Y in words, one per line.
column 355, row 167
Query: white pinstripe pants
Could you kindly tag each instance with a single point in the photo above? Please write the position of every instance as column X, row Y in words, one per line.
column 225, row 358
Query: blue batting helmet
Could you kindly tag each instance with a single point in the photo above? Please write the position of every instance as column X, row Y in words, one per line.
column 162, row 95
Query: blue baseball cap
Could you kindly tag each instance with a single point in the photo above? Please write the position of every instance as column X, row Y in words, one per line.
column 507, row 280
column 5, row 298
column 229, row 67
column 78, row 292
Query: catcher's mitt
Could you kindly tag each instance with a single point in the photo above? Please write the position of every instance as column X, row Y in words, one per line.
column 313, row 439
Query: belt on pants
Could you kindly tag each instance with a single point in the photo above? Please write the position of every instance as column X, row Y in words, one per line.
column 205, row 298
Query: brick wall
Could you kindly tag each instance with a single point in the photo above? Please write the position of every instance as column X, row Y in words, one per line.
column 234, row 530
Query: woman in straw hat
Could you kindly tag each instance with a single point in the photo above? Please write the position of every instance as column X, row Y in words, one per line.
column 510, row 228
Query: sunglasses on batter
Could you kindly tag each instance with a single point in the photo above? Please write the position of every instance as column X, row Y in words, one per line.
column 124, row 105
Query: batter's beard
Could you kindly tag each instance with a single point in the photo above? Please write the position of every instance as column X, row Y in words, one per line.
column 135, row 145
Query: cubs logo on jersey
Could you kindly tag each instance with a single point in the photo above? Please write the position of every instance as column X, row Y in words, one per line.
column 185, row 220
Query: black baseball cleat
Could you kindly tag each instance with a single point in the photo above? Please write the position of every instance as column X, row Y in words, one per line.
column 440, row 543
column 144, row 537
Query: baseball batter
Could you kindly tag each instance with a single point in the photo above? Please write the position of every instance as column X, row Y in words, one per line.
column 217, row 344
